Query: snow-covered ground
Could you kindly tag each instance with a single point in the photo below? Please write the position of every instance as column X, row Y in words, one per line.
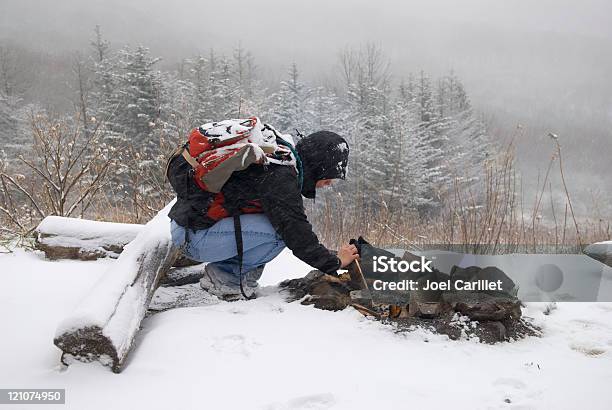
column 269, row 354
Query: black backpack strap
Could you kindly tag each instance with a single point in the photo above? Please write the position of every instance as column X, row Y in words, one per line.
column 240, row 248
column 177, row 152
column 188, row 227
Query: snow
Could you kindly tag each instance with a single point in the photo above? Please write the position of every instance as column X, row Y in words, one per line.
column 85, row 234
column 269, row 354
column 236, row 128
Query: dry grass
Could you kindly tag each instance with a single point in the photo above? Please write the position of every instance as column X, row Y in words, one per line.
column 491, row 216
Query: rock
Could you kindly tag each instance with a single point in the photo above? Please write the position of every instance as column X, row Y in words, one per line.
column 362, row 297
column 172, row 297
column 601, row 251
column 183, row 276
column 425, row 310
column 481, row 306
column 500, row 330
column 490, row 273
column 324, row 291
column 490, row 316
column 429, row 295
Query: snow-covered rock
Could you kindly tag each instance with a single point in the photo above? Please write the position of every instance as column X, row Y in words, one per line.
column 601, row 251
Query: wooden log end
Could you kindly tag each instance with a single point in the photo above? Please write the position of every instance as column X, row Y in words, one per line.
column 89, row 344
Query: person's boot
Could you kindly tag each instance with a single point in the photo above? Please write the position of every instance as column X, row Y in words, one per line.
column 249, row 282
column 218, row 283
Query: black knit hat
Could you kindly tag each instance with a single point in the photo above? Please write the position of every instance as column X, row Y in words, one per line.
column 324, row 155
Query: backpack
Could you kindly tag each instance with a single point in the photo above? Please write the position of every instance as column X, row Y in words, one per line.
column 215, row 150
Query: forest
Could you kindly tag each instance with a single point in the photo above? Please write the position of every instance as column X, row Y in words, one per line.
column 88, row 136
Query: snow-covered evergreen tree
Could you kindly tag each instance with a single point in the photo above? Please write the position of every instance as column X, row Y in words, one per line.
column 200, row 80
column 287, row 107
column 137, row 97
column 467, row 137
column 368, row 126
column 411, row 182
column 179, row 107
column 12, row 115
column 431, row 132
column 324, row 111
column 128, row 102
column 225, row 95
column 105, row 78
column 245, row 81
column 8, row 123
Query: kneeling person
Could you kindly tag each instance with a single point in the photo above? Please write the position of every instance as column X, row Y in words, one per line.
column 258, row 212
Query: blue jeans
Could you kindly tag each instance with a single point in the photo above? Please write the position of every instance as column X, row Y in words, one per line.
column 217, row 244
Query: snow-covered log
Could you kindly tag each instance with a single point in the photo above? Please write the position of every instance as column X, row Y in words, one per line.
column 72, row 238
column 104, row 324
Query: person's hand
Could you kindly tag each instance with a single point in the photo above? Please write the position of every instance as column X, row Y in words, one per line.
column 347, row 254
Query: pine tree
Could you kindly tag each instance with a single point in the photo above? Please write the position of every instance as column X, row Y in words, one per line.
column 225, row 95
column 409, row 182
column 137, row 97
column 128, row 104
column 203, row 81
column 179, row 107
column 12, row 118
column 105, row 81
column 323, row 112
column 431, row 132
column 8, row 123
column 288, row 105
column 467, row 134
column 245, row 79
column 368, row 126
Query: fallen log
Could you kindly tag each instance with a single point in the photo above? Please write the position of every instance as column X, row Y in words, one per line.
column 71, row 238
column 104, row 324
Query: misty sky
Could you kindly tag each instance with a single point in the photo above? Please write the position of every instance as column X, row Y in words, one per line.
column 541, row 41
column 500, row 48
column 546, row 63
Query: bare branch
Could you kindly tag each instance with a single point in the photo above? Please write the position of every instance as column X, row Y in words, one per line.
column 25, row 192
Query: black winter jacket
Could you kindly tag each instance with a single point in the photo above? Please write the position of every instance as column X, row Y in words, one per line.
column 274, row 188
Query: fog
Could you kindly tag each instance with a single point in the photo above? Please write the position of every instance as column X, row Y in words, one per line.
column 544, row 64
